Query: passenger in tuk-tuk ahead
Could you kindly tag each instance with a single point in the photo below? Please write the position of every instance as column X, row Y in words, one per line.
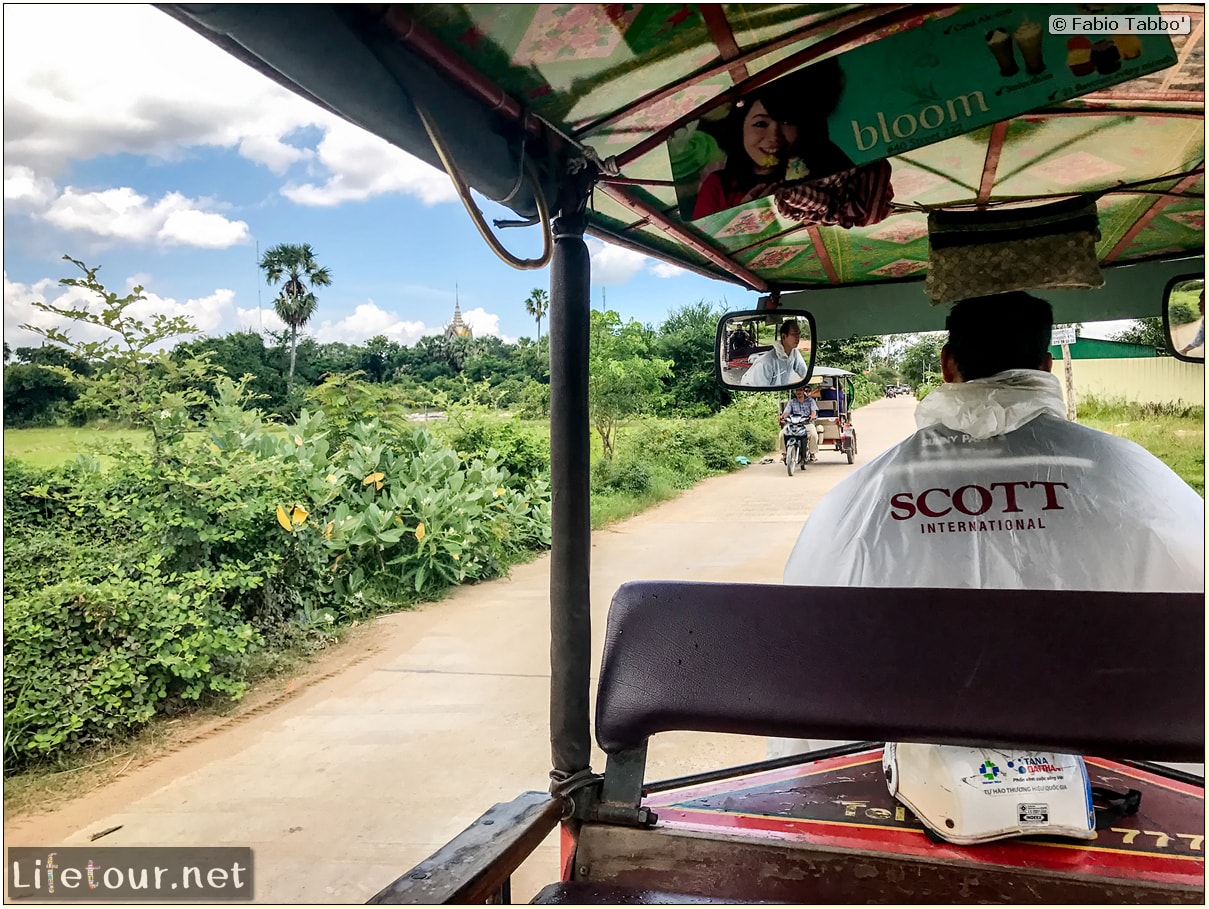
column 783, row 365
column 997, row 489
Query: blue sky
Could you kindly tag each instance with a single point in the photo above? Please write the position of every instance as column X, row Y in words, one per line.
column 132, row 143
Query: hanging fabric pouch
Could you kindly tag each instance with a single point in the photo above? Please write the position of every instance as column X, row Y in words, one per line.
column 975, row 253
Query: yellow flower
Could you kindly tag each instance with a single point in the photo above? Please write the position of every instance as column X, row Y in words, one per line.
column 327, row 531
column 283, row 519
column 299, row 515
column 214, row 448
column 456, row 557
column 499, row 491
column 331, row 478
column 420, row 533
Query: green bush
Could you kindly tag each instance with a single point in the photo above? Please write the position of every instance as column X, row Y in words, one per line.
column 621, row 474
column 87, row 660
column 1182, row 312
column 180, row 561
column 520, row 450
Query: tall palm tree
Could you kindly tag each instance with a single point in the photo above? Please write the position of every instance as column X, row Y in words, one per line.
column 295, row 303
column 536, row 305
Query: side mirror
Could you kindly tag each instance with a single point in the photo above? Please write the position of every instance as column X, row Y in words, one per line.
column 750, row 349
column 1184, row 318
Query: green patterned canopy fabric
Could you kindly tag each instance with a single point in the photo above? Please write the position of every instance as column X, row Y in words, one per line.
column 615, row 80
column 612, row 75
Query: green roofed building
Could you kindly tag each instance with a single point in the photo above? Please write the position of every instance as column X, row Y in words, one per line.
column 1098, row 349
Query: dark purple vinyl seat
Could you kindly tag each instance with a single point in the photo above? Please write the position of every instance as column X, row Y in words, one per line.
column 1120, row 675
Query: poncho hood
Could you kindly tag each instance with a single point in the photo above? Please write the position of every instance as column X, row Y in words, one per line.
column 993, row 406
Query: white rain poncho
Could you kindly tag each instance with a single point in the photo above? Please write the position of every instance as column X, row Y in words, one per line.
column 998, row 490
column 775, row 368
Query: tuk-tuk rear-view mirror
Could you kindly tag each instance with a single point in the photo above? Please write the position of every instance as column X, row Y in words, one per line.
column 763, row 350
column 1184, row 318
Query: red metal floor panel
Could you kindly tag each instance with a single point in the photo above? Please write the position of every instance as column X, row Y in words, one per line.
column 844, row 802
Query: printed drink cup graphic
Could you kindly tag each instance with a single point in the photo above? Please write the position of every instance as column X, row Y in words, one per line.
column 1129, row 46
column 1078, row 56
column 1000, row 44
column 1028, row 39
column 1106, row 56
column 691, row 152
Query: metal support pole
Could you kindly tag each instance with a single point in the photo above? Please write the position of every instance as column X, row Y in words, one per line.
column 570, row 556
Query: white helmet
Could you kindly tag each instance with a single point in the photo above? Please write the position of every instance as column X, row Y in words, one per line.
column 975, row 795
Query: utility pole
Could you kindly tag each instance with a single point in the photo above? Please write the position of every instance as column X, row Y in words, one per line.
column 604, row 302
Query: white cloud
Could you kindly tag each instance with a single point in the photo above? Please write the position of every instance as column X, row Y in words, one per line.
column 665, row 269
column 124, row 214
column 484, row 323
column 613, row 264
column 131, row 79
column 261, row 320
column 108, row 79
column 369, row 320
column 206, row 313
column 616, row 264
column 362, row 165
column 273, row 153
column 202, row 228
column 24, row 190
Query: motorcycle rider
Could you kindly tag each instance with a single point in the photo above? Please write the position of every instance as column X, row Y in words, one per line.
column 801, row 406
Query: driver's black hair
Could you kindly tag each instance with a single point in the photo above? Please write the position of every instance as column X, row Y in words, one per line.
column 997, row 332
column 788, row 324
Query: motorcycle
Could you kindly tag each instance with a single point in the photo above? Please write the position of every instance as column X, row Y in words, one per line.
column 797, row 449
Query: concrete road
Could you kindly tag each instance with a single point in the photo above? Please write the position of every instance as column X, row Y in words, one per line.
column 442, row 712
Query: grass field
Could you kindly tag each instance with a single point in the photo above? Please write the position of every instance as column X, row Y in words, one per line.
column 1175, row 435
column 57, row 445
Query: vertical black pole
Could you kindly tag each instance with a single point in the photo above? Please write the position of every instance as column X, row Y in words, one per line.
column 570, row 557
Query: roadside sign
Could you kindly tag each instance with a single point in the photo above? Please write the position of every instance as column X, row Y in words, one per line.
column 1063, row 336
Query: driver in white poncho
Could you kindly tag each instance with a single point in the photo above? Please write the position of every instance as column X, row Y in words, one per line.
column 996, row 489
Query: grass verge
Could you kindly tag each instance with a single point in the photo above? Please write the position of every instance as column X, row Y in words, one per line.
column 1173, row 433
column 273, row 677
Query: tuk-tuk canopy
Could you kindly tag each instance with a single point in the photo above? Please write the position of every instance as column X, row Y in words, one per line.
column 508, row 84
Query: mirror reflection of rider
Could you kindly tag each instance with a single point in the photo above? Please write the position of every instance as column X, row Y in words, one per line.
column 1199, row 340
column 783, row 365
column 801, row 406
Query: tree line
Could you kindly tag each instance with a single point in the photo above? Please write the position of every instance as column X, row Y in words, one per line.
column 663, row 369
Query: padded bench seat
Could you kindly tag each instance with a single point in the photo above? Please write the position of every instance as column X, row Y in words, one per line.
column 586, row 893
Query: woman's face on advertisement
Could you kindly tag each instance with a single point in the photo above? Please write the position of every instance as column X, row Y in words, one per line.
column 766, row 139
